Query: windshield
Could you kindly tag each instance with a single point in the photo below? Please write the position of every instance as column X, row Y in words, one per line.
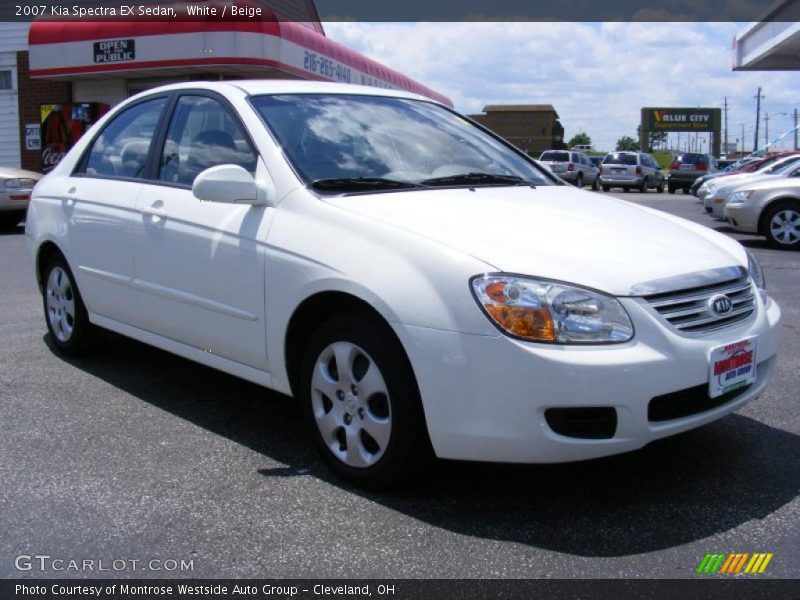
column 340, row 142
column 781, row 167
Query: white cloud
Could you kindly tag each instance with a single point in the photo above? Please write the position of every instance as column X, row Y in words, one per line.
column 598, row 76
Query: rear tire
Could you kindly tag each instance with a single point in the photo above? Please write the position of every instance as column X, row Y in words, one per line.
column 782, row 225
column 645, row 186
column 671, row 189
column 64, row 311
column 626, row 189
column 660, row 188
column 606, row 188
column 579, row 181
column 362, row 403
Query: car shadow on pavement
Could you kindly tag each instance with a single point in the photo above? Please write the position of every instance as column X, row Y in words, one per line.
column 12, row 229
column 672, row 492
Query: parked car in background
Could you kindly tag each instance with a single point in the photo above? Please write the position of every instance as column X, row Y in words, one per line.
column 416, row 299
column 739, row 166
column 768, row 208
column 573, row 167
column 16, row 186
column 631, row 170
column 719, row 190
column 686, row 168
column 725, row 164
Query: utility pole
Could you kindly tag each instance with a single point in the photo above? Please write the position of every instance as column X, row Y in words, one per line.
column 742, row 139
column 766, row 130
column 725, row 151
column 795, row 129
column 758, row 118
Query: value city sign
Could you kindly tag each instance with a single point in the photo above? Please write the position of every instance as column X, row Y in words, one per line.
column 682, row 119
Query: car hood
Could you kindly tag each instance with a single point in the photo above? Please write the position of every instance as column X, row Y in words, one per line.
column 555, row 232
column 740, row 181
column 791, row 184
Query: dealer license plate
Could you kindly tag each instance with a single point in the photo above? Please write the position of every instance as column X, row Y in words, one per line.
column 732, row 366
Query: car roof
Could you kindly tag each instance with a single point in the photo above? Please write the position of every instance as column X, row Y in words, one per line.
column 252, row 87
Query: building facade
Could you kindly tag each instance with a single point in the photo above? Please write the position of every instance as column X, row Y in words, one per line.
column 533, row 128
column 58, row 77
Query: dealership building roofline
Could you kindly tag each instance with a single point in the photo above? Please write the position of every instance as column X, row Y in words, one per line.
column 771, row 44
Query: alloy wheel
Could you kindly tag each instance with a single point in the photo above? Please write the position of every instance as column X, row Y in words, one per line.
column 785, row 227
column 60, row 302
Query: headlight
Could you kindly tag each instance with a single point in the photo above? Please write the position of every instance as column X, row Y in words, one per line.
column 741, row 197
column 755, row 271
column 538, row 310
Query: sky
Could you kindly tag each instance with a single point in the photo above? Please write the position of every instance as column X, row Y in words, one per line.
column 597, row 75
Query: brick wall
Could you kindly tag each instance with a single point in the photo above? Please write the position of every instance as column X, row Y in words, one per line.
column 32, row 93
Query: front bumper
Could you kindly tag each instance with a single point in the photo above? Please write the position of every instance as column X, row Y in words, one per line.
column 714, row 205
column 485, row 397
column 742, row 217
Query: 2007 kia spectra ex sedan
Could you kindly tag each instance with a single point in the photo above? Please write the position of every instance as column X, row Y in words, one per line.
column 418, row 284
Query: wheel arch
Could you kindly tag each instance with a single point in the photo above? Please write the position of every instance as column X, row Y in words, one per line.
column 313, row 312
column 44, row 253
column 762, row 219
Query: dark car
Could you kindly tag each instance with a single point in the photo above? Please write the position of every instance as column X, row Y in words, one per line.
column 687, row 168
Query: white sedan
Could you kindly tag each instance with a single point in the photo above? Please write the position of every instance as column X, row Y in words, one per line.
column 419, row 285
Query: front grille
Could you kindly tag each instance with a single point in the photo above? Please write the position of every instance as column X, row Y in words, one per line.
column 688, row 310
column 690, row 401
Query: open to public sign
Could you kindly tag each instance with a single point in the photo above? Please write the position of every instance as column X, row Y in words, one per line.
column 113, row 51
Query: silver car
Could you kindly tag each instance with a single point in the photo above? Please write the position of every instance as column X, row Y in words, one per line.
column 571, row 166
column 714, row 201
column 769, row 208
column 631, row 170
column 15, row 192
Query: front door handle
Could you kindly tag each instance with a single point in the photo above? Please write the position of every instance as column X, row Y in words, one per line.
column 153, row 211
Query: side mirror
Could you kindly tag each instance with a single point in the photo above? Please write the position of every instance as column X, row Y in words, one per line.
column 230, row 184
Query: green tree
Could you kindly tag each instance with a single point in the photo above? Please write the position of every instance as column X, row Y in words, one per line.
column 580, row 139
column 656, row 137
column 626, row 142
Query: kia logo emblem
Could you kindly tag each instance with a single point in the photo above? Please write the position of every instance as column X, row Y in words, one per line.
column 721, row 304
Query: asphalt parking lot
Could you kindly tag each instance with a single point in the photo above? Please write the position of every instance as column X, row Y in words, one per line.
column 136, row 454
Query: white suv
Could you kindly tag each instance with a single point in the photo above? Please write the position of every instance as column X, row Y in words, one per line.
column 401, row 272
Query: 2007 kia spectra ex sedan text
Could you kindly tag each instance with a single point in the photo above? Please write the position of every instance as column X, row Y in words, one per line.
column 419, row 285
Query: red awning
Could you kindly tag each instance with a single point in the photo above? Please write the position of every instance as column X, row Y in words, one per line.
column 148, row 48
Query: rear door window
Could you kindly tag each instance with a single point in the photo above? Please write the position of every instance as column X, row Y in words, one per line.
column 121, row 149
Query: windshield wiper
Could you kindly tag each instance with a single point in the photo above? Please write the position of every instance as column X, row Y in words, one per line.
column 478, row 179
column 362, row 183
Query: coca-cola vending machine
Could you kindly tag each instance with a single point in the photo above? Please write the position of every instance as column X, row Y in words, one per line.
column 63, row 125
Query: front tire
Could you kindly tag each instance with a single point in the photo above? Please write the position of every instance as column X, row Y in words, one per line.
column 64, row 311
column 782, row 225
column 362, row 403
column 606, row 188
